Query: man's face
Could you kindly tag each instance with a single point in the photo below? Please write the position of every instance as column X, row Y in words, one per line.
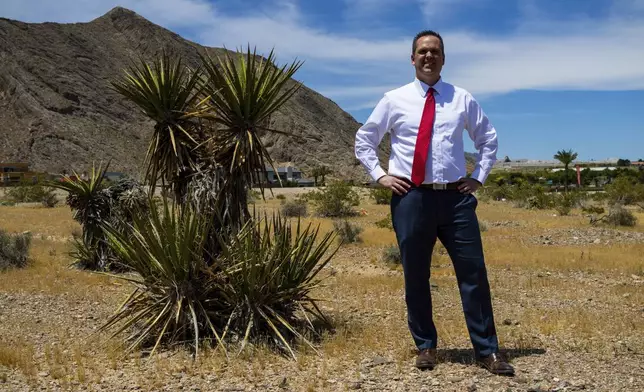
column 428, row 59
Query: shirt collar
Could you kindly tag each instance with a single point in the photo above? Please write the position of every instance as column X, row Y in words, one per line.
column 422, row 87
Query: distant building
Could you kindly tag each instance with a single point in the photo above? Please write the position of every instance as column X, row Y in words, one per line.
column 286, row 173
column 602, row 168
column 14, row 172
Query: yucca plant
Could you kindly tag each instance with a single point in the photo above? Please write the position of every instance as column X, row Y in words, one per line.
column 167, row 92
column 272, row 267
column 241, row 93
column 259, row 285
column 206, row 268
column 176, row 296
column 91, row 209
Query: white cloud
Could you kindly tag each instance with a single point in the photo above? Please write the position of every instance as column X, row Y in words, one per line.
column 434, row 8
column 598, row 54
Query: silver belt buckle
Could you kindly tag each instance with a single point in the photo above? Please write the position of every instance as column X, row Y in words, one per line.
column 440, row 187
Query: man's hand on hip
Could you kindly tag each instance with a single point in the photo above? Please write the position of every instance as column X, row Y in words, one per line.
column 397, row 185
column 468, row 185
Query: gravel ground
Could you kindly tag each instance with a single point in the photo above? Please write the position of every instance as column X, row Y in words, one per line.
column 563, row 329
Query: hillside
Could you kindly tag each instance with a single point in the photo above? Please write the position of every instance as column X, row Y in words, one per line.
column 59, row 113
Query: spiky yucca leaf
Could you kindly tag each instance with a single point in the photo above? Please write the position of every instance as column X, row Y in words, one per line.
column 175, row 292
column 242, row 92
column 272, row 268
column 91, row 208
column 167, row 92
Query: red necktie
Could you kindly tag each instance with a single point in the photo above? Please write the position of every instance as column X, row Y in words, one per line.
column 424, row 136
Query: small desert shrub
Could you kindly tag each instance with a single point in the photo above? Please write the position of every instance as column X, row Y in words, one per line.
column 380, row 195
column 49, row 199
column 538, row 199
column 599, row 196
column 30, row 193
column 7, row 203
column 295, row 208
column 593, row 209
column 482, row 226
column 385, row 223
column 336, row 200
column 253, row 196
column 391, row 255
column 14, row 249
column 563, row 210
column 565, row 202
column 494, row 192
column 624, row 191
column 620, row 216
column 280, row 197
column 347, row 232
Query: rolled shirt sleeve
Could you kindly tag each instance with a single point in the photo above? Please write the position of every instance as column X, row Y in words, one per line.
column 369, row 136
column 484, row 137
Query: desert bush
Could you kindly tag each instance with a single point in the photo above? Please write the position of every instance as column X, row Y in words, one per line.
column 347, row 232
column 565, row 202
column 391, row 255
column 49, row 199
column 495, row 192
column 385, row 223
column 593, row 209
column 14, row 249
column 620, row 216
column 539, row 200
column 625, row 190
column 280, row 197
column 336, row 200
column 294, row 208
column 617, row 216
column 253, row 196
column 563, row 210
column 599, row 197
column 483, row 226
column 380, row 195
column 26, row 192
column 528, row 196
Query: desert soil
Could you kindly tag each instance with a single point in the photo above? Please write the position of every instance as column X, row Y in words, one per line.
column 569, row 312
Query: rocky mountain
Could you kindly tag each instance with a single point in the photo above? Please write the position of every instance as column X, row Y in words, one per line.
column 58, row 111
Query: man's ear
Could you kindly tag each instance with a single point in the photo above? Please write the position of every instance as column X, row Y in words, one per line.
column 412, row 59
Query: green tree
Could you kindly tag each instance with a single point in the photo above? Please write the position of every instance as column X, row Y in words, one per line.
column 320, row 172
column 566, row 157
column 623, row 162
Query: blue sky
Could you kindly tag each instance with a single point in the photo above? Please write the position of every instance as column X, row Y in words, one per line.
column 550, row 74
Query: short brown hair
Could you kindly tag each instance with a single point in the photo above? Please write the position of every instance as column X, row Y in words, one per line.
column 426, row 33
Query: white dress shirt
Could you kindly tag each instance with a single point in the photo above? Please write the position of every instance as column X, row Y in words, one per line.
column 399, row 113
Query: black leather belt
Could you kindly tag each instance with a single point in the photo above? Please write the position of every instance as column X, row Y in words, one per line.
column 450, row 186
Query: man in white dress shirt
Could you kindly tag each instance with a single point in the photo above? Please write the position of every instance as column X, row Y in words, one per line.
column 432, row 197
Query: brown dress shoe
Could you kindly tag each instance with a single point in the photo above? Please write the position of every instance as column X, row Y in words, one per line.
column 426, row 359
column 496, row 364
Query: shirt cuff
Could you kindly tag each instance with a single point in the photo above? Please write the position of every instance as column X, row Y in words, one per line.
column 479, row 175
column 377, row 173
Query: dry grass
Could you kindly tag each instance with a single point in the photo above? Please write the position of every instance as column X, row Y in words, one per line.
column 560, row 299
